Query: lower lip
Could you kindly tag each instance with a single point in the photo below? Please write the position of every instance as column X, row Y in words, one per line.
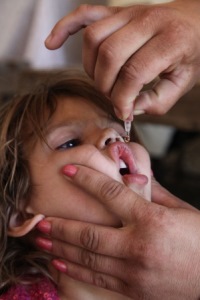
column 136, row 178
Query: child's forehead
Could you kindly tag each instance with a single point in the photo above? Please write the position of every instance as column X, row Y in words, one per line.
column 71, row 110
column 80, row 107
column 64, row 108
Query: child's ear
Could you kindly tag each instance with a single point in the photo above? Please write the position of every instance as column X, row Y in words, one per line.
column 20, row 225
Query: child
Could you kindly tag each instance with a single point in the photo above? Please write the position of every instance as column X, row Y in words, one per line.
column 65, row 120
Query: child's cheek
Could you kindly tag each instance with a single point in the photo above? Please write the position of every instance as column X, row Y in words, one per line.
column 89, row 156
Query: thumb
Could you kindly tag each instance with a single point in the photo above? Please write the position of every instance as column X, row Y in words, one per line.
column 163, row 197
column 115, row 196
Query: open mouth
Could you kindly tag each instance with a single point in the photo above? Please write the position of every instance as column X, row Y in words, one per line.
column 123, row 157
column 123, row 168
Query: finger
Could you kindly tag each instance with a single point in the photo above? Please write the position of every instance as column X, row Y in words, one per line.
column 165, row 92
column 73, row 22
column 116, row 197
column 143, row 67
column 96, row 34
column 82, row 274
column 116, row 50
column 138, row 71
column 163, row 197
column 107, row 45
column 95, row 238
column 90, row 260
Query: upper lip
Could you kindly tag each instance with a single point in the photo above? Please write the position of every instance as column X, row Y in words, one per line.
column 120, row 150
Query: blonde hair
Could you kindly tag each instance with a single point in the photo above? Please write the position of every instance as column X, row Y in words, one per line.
column 22, row 121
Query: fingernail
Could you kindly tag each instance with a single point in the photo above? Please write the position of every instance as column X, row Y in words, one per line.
column 122, row 115
column 69, row 170
column 118, row 113
column 43, row 243
column 59, row 265
column 127, row 116
column 44, row 226
column 138, row 112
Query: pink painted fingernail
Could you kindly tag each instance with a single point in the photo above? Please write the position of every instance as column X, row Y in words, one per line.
column 69, row 170
column 43, row 243
column 59, row 265
column 44, row 226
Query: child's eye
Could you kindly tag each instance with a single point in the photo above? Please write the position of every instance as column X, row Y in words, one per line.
column 69, row 144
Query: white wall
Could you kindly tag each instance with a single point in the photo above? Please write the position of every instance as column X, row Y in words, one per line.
column 26, row 23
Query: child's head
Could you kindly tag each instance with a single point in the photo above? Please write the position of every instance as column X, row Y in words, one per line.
column 64, row 121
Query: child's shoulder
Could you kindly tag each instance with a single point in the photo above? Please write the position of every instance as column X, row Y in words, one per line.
column 41, row 290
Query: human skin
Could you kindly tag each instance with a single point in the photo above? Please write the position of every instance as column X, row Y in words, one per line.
column 79, row 132
column 126, row 48
column 155, row 255
column 130, row 47
column 147, row 251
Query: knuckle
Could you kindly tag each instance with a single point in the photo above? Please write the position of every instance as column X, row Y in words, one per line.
column 181, row 35
column 90, row 36
column 156, row 218
column 106, row 53
column 88, row 259
column 150, row 249
column 83, row 9
column 89, row 238
column 148, row 15
column 100, row 281
column 153, row 13
column 131, row 71
column 112, row 189
column 178, row 31
column 161, row 217
column 106, row 282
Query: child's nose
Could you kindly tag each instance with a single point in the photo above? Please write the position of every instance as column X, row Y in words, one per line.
column 108, row 136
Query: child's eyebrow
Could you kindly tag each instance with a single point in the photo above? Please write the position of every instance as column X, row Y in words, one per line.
column 68, row 123
column 76, row 122
column 52, row 128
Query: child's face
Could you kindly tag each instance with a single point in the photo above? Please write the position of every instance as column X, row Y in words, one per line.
column 80, row 133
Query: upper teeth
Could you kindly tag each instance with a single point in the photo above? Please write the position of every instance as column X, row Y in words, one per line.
column 122, row 164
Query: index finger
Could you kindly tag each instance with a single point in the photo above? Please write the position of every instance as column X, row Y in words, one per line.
column 76, row 20
column 117, row 198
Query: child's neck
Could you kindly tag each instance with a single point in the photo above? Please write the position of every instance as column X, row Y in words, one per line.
column 69, row 289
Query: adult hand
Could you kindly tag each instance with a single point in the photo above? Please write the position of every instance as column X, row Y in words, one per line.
column 126, row 48
column 155, row 255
